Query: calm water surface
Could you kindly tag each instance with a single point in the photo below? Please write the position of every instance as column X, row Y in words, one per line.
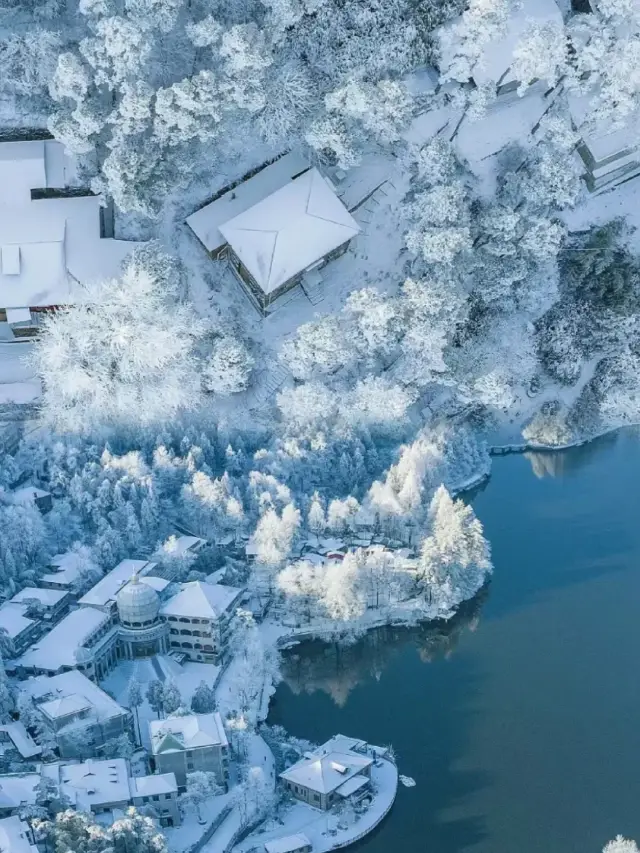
column 521, row 721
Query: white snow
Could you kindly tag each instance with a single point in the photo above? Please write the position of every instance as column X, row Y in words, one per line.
column 92, row 785
column 68, row 568
column 18, row 789
column 289, row 231
column 146, row 786
column 325, row 770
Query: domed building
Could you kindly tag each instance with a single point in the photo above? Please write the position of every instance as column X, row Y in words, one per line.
column 141, row 632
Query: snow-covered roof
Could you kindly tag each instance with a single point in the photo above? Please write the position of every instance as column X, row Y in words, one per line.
column 497, row 55
column 69, row 692
column 108, row 587
column 200, row 599
column 67, row 569
column 46, row 597
column 18, row 789
column 47, row 245
column 14, row 836
column 287, row 844
column 59, row 647
column 181, row 544
column 22, row 740
column 93, row 784
column 13, row 620
column 189, row 732
column 26, row 494
column 325, row 773
column 290, row 230
column 352, row 785
column 147, row 786
column 63, row 706
column 205, row 223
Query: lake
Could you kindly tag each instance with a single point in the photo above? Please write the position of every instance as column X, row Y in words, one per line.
column 519, row 721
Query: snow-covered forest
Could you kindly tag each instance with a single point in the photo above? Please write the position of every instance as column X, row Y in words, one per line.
column 484, row 152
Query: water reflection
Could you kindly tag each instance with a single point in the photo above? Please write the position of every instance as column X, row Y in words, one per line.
column 337, row 669
column 558, row 463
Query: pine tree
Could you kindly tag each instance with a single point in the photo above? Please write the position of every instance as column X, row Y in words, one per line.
column 203, row 700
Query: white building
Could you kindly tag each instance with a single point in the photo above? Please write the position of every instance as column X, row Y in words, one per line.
column 29, row 494
column 100, row 787
column 52, row 602
column 338, row 770
column 182, row 745
column 50, row 239
column 20, row 629
column 85, row 639
column 298, row 843
column 16, row 836
column 199, row 619
column 69, row 703
column 276, row 226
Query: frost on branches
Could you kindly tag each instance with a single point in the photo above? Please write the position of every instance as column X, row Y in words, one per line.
column 124, row 352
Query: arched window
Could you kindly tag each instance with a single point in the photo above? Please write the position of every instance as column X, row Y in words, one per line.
column 187, row 646
column 185, row 631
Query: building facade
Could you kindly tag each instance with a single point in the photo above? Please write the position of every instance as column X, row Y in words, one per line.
column 182, row 745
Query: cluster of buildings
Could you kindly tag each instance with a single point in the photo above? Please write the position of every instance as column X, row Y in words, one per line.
column 134, row 611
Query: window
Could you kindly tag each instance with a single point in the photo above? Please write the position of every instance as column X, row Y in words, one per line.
column 155, row 798
column 189, row 765
column 316, row 797
column 187, row 646
column 189, row 753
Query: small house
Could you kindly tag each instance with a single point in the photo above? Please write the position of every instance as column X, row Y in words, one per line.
column 274, row 228
column 16, row 836
column 338, row 770
column 31, row 494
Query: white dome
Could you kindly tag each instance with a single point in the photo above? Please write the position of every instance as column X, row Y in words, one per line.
column 138, row 604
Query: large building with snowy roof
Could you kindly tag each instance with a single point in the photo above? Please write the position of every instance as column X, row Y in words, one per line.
column 275, row 227
column 184, row 744
column 51, row 238
column 69, row 703
column 16, row 836
column 199, row 619
column 337, row 770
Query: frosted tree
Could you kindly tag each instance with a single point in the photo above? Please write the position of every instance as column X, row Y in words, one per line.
column 620, row 845
column 341, row 514
column 463, row 43
column 318, row 347
column 123, row 353
column 77, row 831
column 228, row 368
column 201, row 786
column 440, row 224
column 343, row 599
column 541, row 54
column 316, row 517
column 455, row 556
column 134, row 700
column 274, row 535
column 117, row 51
column 28, row 61
column 359, row 112
column 605, row 58
column 7, row 703
column 171, row 698
column 189, row 109
column 203, row 700
column 155, row 696
column 136, row 832
column 301, row 584
column 376, row 401
column 118, row 747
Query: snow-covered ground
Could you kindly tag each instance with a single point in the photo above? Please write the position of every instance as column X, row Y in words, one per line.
column 18, row 383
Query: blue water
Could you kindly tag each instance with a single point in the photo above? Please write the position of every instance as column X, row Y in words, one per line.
column 521, row 722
